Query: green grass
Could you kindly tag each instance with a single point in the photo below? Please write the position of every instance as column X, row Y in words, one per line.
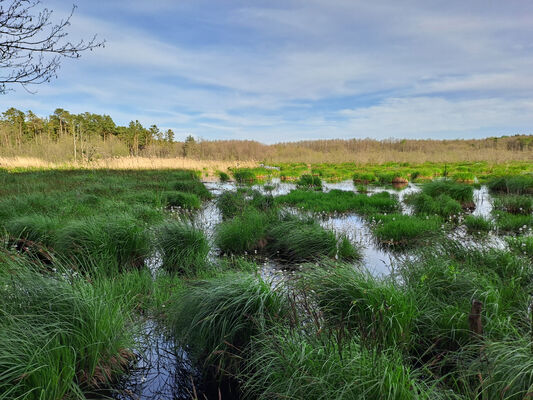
column 235, row 203
column 478, row 225
column 183, row 247
column 443, row 205
column 377, row 310
column 309, row 182
column 512, row 184
column 462, row 193
column 292, row 365
column 188, row 201
column 217, row 318
column 193, row 186
column 521, row 245
column 400, row 230
column 117, row 241
column 298, row 240
column 514, row 223
column 57, row 338
column 514, row 204
column 244, row 175
column 243, row 233
column 340, row 201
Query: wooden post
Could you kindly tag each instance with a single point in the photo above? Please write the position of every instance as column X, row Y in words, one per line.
column 474, row 319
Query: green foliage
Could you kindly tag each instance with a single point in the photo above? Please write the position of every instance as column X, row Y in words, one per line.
column 217, row 318
column 35, row 228
column 340, row 201
column 517, row 223
column 244, row 175
column 184, row 248
column 309, row 182
column 521, row 245
column 364, row 177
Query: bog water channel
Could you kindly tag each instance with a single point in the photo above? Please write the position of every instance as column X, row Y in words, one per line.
column 164, row 371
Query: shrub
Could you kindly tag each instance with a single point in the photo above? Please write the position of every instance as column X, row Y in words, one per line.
column 184, row 248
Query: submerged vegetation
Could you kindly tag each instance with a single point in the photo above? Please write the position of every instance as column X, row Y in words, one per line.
column 264, row 291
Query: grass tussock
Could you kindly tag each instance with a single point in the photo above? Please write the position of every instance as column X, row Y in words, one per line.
column 218, row 317
column 188, row 201
column 512, row 184
column 183, row 247
column 462, row 193
column 341, row 201
column 309, row 182
column 402, row 231
column 478, row 225
column 442, row 205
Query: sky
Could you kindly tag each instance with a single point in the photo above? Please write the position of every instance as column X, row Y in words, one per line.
column 277, row 71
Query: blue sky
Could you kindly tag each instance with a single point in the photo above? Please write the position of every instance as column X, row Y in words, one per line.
column 277, row 71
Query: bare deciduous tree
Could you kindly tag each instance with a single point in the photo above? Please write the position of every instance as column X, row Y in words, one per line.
column 32, row 45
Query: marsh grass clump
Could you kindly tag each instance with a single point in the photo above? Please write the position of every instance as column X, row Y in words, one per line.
column 291, row 364
column 244, row 175
column 443, row 205
column 377, row 310
column 244, row 233
column 309, row 182
column 341, row 201
column 184, row 247
column 512, row 184
column 516, row 223
column 462, row 193
column 224, row 177
column 193, row 186
column 218, row 317
column 514, row 204
column 188, row 201
column 231, row 203
column 364, row 178
column 298, row 240
column 35, row 228
column 403, row 231
column 116, row 241
column 59, row 339
column 521, row 245
column 478, row 225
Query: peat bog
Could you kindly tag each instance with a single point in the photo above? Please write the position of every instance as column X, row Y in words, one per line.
column 388, row 283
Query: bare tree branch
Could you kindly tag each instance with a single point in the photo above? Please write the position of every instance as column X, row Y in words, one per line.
column 32, row 46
